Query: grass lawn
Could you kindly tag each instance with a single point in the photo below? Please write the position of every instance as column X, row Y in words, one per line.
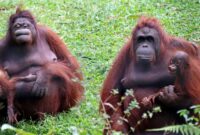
column 95, row 30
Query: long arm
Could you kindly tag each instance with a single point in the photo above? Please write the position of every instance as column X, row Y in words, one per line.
column 23, row 85
column 110, row 101
column 186, row 46
column 168, row 97
column 151, row 80
column 59, row 48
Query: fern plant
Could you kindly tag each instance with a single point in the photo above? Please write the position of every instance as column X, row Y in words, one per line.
column 185, row 129
column 192, row 126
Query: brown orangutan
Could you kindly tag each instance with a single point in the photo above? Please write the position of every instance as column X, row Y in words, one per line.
column 7, row 90
column 142, row 65
column 52, row 74
column 187, row 71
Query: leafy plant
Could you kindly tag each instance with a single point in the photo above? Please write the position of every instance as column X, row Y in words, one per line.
column 16, row 130
column 95, row 30
column 183, row 129
column 192, row 118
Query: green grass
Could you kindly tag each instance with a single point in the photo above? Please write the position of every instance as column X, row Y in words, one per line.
column 95, row 30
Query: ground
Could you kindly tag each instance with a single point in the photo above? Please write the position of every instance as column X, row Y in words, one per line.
column 95, row 30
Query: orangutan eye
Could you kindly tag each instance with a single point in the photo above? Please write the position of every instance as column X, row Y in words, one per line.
column 25, row 25
column 17, row 25
column 140, row 39
column 150, row 39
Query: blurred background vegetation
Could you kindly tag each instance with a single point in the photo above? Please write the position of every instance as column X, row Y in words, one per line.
column 94, row 31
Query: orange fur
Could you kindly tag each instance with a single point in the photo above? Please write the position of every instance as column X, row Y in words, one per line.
column 62, row 77
column 189, row 80
column 169, row 45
